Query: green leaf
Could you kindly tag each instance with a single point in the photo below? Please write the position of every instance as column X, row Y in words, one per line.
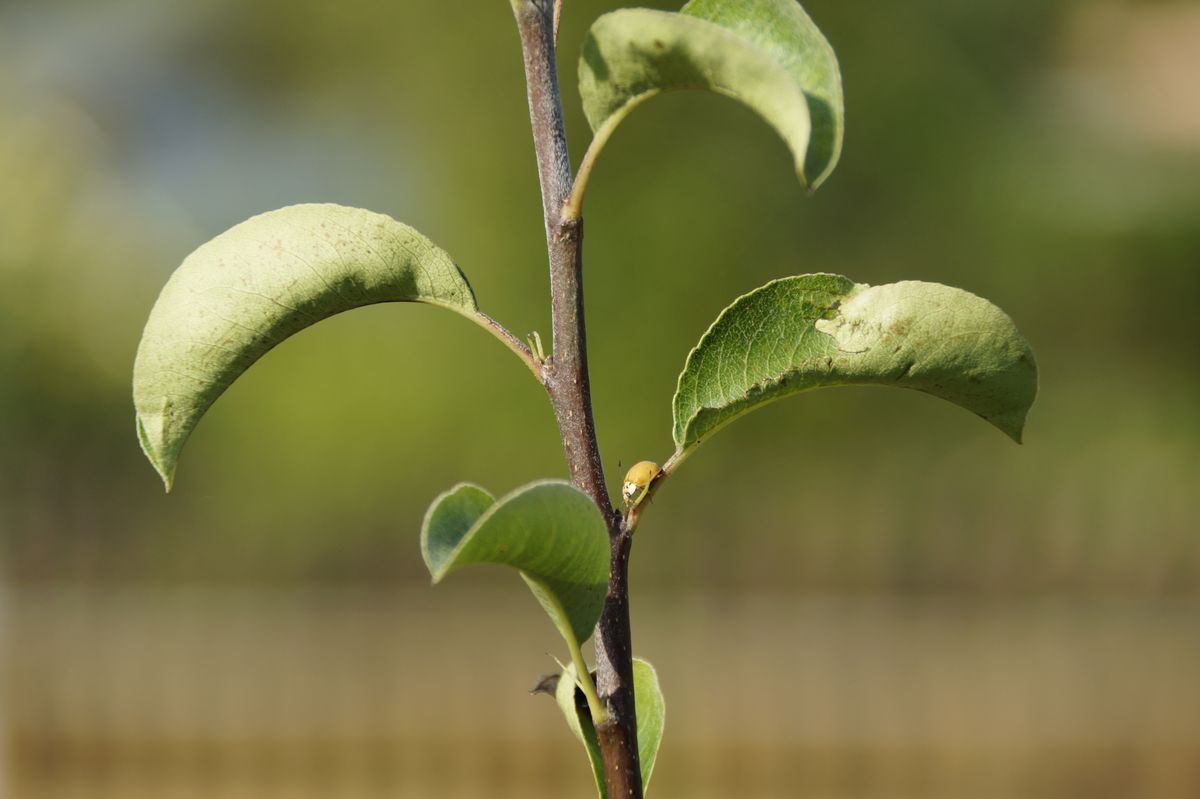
column 767, row 54
column 549, row 530
column 259, row 282
column 811, row 331
column 651, row 717
column 573, row 705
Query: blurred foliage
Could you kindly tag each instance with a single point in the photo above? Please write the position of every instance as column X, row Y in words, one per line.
column 986, row 148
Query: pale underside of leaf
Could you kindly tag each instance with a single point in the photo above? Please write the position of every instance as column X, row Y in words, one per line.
column 813, row 331
column 550, row 531
column 783, row 30
column 651, row 715
column 574, row 708
column 256, row 284
column 651, row 719
column 766, row 54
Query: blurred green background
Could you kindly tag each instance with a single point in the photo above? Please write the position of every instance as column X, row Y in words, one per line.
column 852, row 593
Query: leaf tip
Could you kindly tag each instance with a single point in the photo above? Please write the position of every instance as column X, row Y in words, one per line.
column 811, row 186
column 1010, row 422
column 1013, row 422
column 821, row 175
column 1015, row 429
column 151, row 438
column 447, row 521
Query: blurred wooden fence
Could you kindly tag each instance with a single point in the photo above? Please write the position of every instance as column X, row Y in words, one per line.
column 120, row 693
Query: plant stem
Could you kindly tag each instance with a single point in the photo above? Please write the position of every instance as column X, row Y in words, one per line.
column 522, row 350
column 566, row 380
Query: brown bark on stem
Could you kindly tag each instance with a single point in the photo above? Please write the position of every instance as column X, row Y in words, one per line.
column 566, row 380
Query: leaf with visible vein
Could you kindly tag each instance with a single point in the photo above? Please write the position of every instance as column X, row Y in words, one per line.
column 651, row 719
column 767, row 54
column 256, row 284
column 812, row 331
column 550, row 531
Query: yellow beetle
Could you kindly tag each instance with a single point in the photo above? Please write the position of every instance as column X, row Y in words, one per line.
column 637, row 480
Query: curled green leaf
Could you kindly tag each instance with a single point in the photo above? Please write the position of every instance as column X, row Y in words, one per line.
column 550, row 531
column 651, row 715
column 767, row 54
column 574, row 707
column 811, row 331
column 251, row 287
column 651, row 719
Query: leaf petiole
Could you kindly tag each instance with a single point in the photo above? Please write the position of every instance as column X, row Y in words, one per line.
column 583, row 678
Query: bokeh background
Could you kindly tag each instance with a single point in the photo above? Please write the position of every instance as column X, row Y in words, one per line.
column 853, row 593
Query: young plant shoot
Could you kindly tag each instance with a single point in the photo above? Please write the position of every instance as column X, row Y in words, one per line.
column 247, row 290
